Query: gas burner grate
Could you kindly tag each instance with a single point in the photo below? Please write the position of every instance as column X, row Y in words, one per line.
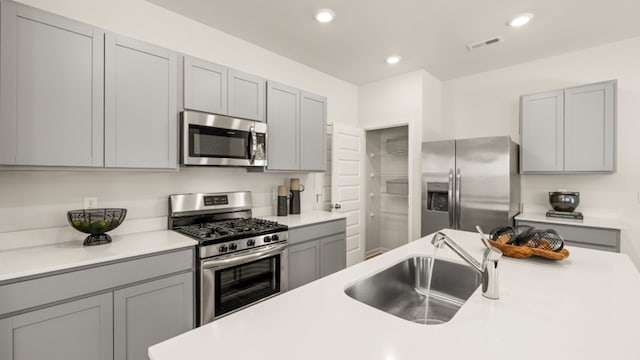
column 229, row 228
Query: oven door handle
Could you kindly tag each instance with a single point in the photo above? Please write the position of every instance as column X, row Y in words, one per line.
column 240, row 259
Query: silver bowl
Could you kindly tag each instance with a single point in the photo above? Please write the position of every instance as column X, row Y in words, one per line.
column 564, row 200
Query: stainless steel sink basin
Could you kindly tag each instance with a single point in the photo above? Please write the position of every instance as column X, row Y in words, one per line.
column 401, row 289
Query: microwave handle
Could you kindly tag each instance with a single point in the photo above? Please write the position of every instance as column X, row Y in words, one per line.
column 254, row 143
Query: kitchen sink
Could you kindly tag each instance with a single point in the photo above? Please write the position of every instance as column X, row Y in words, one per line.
column 401, row 289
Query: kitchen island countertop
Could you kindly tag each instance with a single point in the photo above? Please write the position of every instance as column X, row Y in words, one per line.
column 584, row 307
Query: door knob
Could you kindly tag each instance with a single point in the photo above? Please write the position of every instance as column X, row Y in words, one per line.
column 338, row 206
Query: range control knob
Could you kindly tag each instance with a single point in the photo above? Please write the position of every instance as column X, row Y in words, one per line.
column 222, row 248
column 233, row 246
column 267, row 239
column 275, row 237
column 251, row 242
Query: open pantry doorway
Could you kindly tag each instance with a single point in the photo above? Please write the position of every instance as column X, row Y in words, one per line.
column 387, row 189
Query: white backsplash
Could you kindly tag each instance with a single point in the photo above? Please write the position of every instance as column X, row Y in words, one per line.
column 40, row 199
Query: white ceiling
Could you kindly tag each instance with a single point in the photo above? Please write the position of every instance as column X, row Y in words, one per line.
column 428, row 34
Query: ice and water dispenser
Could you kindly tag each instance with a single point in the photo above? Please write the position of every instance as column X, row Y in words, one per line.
column 438, row 196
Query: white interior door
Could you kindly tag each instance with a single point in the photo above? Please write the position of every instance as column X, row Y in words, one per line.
column 347, row 186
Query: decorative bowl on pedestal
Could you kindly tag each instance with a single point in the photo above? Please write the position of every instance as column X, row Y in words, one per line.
column 96, row 222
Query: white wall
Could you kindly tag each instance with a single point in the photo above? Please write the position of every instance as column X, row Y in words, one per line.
column 432, row 127
column 487, row 104
column 37, row 199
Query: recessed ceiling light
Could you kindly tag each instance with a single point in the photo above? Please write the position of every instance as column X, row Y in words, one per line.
column 520, row 20
column 325, row 15
column 393, row 59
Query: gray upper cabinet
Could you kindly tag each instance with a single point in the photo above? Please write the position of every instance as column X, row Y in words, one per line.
column 51, row 94
column 542, row 132
column 589, row 125
column 215, row 89
column 297, row 123
column 141, row 115
column 205, row 86
column 246, row 96
column 569, row 130
column 283, row 120
column 76, row 330
column 313, row 125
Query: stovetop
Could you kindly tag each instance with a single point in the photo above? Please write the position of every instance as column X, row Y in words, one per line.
column 215, row 232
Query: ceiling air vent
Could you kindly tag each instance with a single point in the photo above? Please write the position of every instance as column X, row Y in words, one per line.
column 484, row 43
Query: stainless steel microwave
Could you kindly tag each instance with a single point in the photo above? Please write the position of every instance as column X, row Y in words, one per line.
column 209, row 139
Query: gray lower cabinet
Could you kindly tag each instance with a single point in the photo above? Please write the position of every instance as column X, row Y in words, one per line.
column 570, row 130
column 51, row 89
column 75, row 330
column 141, row 113
column 333, row 254
column 316, row 251
column 297, row 123
column 582, row 236
column 304, row 263
column 139, row 302
column 149, row 313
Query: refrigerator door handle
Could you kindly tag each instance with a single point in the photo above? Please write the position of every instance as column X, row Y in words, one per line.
column 458, row 205
column 451, row 206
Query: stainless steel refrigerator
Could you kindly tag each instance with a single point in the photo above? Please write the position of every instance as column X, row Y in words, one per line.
column 469, row 182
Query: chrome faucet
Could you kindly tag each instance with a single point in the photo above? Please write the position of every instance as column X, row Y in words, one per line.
column 488, row 269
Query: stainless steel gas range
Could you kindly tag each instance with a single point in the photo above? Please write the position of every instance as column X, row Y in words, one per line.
column 242, row 260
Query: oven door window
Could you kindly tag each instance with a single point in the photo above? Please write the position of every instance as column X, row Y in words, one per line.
column 242, row 285
column 213, row 142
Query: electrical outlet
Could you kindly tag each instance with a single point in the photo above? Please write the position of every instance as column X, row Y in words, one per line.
column 90, row 202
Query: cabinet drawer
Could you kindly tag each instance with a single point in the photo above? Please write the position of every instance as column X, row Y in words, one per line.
column 315, row 231
column 582, row 236
column 44, row 290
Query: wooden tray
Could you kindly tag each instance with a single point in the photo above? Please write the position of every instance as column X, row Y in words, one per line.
column 522, row 252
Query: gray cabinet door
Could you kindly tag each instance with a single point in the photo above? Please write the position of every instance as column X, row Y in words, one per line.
column 150, row 313
column 141, row 116
column 333, row 254
column 246, row 96
column 76, row 330
column 283, row 121
column 313, row 129
column 542, row 129
column 589, row 128
column 51, row 95
column 304, row 264
column 205, row 86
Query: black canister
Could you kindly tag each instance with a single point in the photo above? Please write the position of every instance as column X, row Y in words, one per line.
column 282, row 200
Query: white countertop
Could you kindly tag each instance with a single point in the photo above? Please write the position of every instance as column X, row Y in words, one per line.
column 306, row 218
column 584, row 307
column 36, row 260
column 589, row 221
